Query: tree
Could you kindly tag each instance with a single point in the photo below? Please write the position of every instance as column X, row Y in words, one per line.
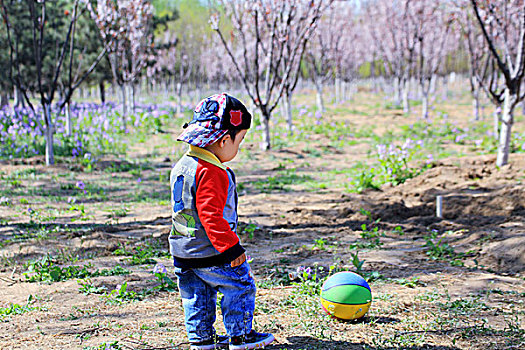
column 126, row 28
column 261, row 29
column 433, row 23
column 393, row 29
column 474, row 44
column 502, row 23
column 37, row 60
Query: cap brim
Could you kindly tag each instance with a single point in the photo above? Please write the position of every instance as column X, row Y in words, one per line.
column 199, row 136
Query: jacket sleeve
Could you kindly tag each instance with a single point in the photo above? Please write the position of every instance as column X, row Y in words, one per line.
column 212, row 193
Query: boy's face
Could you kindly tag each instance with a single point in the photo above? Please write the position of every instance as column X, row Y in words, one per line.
column 226, row 149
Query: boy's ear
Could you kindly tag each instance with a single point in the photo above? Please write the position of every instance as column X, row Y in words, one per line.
column 223, row 140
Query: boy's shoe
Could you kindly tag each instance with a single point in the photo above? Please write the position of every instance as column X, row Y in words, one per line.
column 217, row 342
column 252, row 340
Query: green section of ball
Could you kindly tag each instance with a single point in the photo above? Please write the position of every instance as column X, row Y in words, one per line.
column 347, row 294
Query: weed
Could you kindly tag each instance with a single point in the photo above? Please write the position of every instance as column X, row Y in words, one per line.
column 87, row 287
column 249, row 230
column 46, row 270
column 398, row 230
column 166, row 283
column 365, row 180
column 121, row 295
column 142, row 254
column 442, row 251
column 410, row 282
column 17, row 309
column 358, row 264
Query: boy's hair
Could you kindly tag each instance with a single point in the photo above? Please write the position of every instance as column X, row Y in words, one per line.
column 214, row 117
column 233, row 133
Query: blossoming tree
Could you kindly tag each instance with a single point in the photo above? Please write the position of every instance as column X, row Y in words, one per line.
column 261, row 28
column 502, row 23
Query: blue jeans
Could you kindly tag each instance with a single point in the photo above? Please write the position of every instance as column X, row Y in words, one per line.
column 198, row 289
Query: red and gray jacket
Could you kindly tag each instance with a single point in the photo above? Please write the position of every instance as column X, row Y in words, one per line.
column 204, row 211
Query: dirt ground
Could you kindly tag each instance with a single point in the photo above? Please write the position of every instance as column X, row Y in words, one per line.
column 419, row 302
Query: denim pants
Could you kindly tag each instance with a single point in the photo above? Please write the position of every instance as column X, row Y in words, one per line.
column 198, row 289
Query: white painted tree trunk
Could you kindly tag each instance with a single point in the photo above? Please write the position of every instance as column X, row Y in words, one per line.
column 288, row 110
column 265, row 121
column 69, row 128
column 397, row 91
column 179, row 98
column 124, row 103
column 424, row 104
column 432, row 84
column 48, row 135
column 319, row 97
column 496, row 119
column 444, row 91
column 476, row 105
column 506, row 128
column 337, row 90
column 406, row 104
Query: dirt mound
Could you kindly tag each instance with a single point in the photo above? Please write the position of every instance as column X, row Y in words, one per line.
column 477, row 197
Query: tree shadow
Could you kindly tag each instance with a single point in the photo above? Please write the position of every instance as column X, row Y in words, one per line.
column 311, row 343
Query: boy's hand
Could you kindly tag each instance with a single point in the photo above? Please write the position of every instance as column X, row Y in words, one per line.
column 239, row 260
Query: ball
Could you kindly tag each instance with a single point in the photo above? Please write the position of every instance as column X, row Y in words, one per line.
column 346, row 296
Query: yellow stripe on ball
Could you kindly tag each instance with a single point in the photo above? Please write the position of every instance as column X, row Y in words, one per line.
column 345, row 311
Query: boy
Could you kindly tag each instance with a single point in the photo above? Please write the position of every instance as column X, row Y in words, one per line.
column 206, row 250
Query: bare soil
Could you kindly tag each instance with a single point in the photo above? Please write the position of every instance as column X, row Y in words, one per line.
column 419, row 302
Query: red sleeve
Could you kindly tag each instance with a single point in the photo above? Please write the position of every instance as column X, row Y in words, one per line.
column 212, row 193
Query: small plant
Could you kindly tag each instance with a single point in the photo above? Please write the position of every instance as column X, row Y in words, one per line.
column 366, row 213
column 166, row 283
column 358, row 264
column 16, row 309
column 395, row 161
column 249, row 230
column 365, row 180
column 118, row 213
column 141, row 255
column 46, row 270
column 320, row 244
column 398, row 230
column 370, row 233
column 442, row 251
column 87, row 287
column 121, row 295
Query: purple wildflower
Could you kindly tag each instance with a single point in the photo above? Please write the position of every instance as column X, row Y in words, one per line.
column 160, row 268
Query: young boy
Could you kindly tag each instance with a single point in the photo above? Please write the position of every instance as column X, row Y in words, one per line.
column 207, row 253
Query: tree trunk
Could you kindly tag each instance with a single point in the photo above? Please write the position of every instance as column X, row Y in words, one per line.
column 444, row 92
column 179, row 98
column 69, row 128
column 506, row 128
column 48, row 134
column 433, row 84
column 497, row 118
column 131, row 90
column 265, row 121
column 319, row 96
column 102, row 91
column 337, row 89
column 124, row 103
column 406, row 104
column 288, row 110
column 18, row 98
column 397, row 91
column 424, row 103
column 4, row 98
column 475, row 104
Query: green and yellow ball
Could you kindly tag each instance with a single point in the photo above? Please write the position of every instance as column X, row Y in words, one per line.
column 346, row 296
